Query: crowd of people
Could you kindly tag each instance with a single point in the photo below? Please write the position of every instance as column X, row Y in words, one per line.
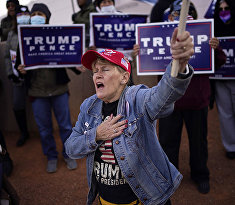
column 116, row 128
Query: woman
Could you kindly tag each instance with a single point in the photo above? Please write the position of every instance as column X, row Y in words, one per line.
column 224, row 18
column 116, row 129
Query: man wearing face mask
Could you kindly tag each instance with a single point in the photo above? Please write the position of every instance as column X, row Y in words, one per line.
column 83, row 16
column 19, row 89
column 48, row 90
column 224, row 20
column 7, row 22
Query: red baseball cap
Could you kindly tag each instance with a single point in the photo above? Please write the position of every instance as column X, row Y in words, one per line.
column 110, row 55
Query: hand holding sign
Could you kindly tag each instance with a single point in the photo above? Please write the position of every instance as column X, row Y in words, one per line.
column 21, row 69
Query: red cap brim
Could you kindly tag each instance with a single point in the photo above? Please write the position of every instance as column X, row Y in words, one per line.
column 89, row 57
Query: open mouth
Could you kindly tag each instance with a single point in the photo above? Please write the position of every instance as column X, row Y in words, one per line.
column 99, row 85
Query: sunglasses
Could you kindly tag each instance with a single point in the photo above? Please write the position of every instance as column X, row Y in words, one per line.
column 224, row 8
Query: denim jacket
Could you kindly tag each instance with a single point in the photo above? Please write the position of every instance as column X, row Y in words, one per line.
column 142, row 161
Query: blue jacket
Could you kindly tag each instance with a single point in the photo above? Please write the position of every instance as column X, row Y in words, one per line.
column 142, row 161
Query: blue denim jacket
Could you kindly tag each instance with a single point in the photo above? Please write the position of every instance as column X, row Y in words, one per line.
column 142, row 161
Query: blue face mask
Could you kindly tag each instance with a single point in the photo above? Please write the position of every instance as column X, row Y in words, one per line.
column 23, row 19
column 37, row 20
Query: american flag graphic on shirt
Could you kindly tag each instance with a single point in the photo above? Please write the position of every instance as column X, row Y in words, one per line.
column 107, row 153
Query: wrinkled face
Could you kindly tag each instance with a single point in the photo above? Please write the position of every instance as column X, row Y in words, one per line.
column 109, row 80
column 106, row 3
column 11, row 8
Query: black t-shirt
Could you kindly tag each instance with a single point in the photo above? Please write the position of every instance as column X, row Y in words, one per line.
column 112, row 185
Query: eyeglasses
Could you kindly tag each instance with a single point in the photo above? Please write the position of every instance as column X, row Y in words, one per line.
column 226, row 8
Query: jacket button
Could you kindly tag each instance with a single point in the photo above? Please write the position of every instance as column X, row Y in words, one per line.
column 93, row 146
column 137, row 186
column 145, row 199
column 130, row 175
column 122, row 158
column 117, row 142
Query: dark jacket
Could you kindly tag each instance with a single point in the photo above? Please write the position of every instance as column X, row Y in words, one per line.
column 197, row 95
column 222, row 29
column 6, row 26
column 83, row 17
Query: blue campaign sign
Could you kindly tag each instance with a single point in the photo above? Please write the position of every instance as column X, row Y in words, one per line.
column 227, row 71
column 115, row 31
column 46, row 46
column 154, row 40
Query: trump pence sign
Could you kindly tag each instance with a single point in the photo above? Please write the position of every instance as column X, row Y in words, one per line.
column 46, row 46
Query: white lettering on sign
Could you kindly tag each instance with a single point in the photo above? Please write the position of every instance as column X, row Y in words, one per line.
column 229, row 52
column 51, row 43
column 159, row 43
column 115, row 27
column 36, row 40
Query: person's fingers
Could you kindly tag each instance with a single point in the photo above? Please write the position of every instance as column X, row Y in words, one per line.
column 120, row 125
column 174, row 36
column 115, row 119
column 185, row 35
column 184, row 55
column 187, row 42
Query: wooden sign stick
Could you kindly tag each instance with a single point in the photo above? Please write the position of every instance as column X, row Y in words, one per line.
column 181, row 29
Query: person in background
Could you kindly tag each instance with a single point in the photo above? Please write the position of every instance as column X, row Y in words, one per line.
column 7, row 22
column 19, row 88
column 48, row 90
column 116, row 129
column 83, row 16
column 191, row 109
column 106, row 6
column 224, row 20
column 158, row 9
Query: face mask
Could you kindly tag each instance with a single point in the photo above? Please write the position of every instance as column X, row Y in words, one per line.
column 108, row 9
column 37, row 20
column 225, row 15
column 23, row 19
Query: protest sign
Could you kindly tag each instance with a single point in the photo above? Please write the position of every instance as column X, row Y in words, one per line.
column 46, row 46
column 227, row 71
column 114, row 31
column 154, row 40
